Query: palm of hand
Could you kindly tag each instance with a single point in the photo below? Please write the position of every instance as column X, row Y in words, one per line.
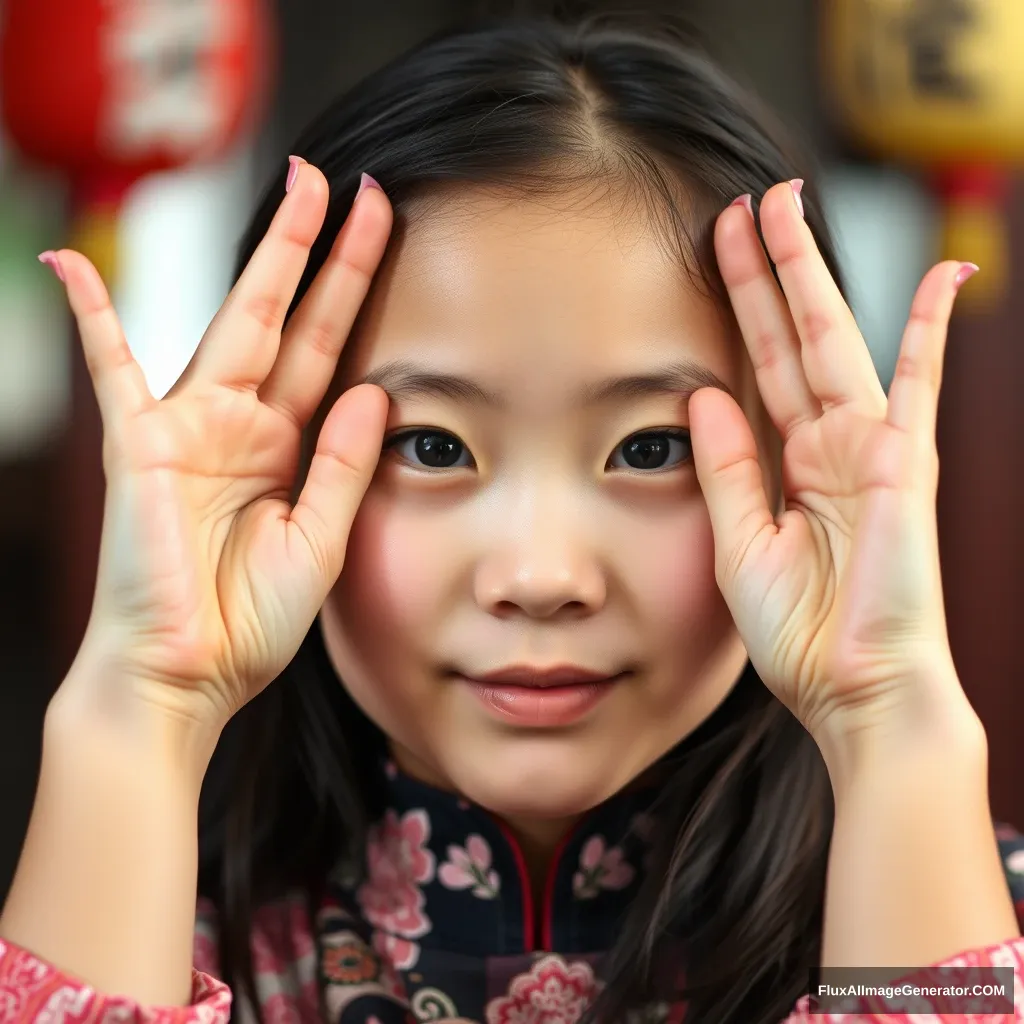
column 846, row 586
column 209, row 577
column 838, row 598
column 224, row 462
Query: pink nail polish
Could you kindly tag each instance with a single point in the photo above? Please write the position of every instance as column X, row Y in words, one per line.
column 293, row 171
column 366, row 182
column 50, row 259
column 745, row 201
column 797, row 184
column 966, row 271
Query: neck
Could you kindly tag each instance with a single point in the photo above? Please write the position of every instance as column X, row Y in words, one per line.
column 539, row 839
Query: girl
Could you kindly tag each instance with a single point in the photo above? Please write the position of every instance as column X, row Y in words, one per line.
column 605, row 597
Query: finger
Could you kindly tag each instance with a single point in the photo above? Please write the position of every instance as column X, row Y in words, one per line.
column 319, row 327
column 914, row 392
column 347, row 452
column 764, row 320
column 120, row 385
column 725, row 457
column 240, row 346
column 836, row 359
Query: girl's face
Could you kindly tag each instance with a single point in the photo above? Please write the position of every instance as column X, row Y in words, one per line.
column 524, row 523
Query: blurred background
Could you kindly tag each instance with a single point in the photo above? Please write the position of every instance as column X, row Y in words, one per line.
column 141, row 132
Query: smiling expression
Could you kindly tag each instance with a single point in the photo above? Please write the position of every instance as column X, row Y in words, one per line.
column 535, row 503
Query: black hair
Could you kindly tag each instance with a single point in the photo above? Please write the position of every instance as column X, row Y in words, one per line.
column 536, row 106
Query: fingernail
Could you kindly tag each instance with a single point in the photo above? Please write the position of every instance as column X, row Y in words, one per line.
column 797, row 184
column 366, row 182
column 966, row 271
column 293, row 171
column 745, row 201
column 50, row 258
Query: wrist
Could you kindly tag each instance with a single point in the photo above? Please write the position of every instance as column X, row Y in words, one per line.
column 924, row 722
column 106, row 882
column 914, row 870
column 951, row 768
column 115, row 724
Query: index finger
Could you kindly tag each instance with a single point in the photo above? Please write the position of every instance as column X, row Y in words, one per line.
column 241, row 344
column 319, row 327
column 836, row 359
column 764, row 319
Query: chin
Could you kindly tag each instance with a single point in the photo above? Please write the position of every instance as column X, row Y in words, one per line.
column 535, row 778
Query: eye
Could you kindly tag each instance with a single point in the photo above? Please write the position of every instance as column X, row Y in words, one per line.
column 430, row 449
column 654, row 450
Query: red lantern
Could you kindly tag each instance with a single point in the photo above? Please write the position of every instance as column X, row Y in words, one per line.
column 111, row 90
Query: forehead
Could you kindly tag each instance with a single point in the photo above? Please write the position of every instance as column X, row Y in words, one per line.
column 531, row 296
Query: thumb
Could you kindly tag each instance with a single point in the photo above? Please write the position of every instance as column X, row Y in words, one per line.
column 347, row 452
column 725, row 457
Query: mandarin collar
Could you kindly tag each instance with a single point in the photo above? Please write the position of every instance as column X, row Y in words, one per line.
column 444, row 873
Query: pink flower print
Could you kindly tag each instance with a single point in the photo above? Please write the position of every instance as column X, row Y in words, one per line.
column 470, row 867
column 552, row 992
column 204, row 954
column 391, row 897
column 600, row 868
column 400, row 953
column 266, row 959
column 281, row 1009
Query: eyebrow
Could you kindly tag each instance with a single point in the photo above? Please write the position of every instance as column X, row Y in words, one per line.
column 405, row 379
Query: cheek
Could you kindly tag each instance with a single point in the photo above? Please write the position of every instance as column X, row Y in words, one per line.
column 385, row 609
column 672, row 575
column 394, row 571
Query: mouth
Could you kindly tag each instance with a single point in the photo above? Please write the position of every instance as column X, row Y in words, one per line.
column 543, row 678
column 542, row 698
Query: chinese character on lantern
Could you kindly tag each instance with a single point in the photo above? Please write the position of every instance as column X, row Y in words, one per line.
column 938, row 84
column 932, row 31
column 169, row 93
column 112, row 90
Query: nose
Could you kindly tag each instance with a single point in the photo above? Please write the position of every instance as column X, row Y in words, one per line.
column 543, row 567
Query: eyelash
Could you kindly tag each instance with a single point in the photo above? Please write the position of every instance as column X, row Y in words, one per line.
column 675, row 433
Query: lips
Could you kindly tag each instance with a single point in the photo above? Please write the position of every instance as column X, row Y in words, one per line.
column 557, row 675
column 542, row 697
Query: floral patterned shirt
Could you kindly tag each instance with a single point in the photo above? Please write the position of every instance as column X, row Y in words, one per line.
column 443, row 925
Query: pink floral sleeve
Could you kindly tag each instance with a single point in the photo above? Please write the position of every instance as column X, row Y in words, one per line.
column 906, row 1009
column 34, row 992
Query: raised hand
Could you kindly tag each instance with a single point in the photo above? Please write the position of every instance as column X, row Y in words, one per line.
column 837, row 594
column 208, row 577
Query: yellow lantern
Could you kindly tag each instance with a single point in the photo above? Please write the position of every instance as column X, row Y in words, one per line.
column 940, row 84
